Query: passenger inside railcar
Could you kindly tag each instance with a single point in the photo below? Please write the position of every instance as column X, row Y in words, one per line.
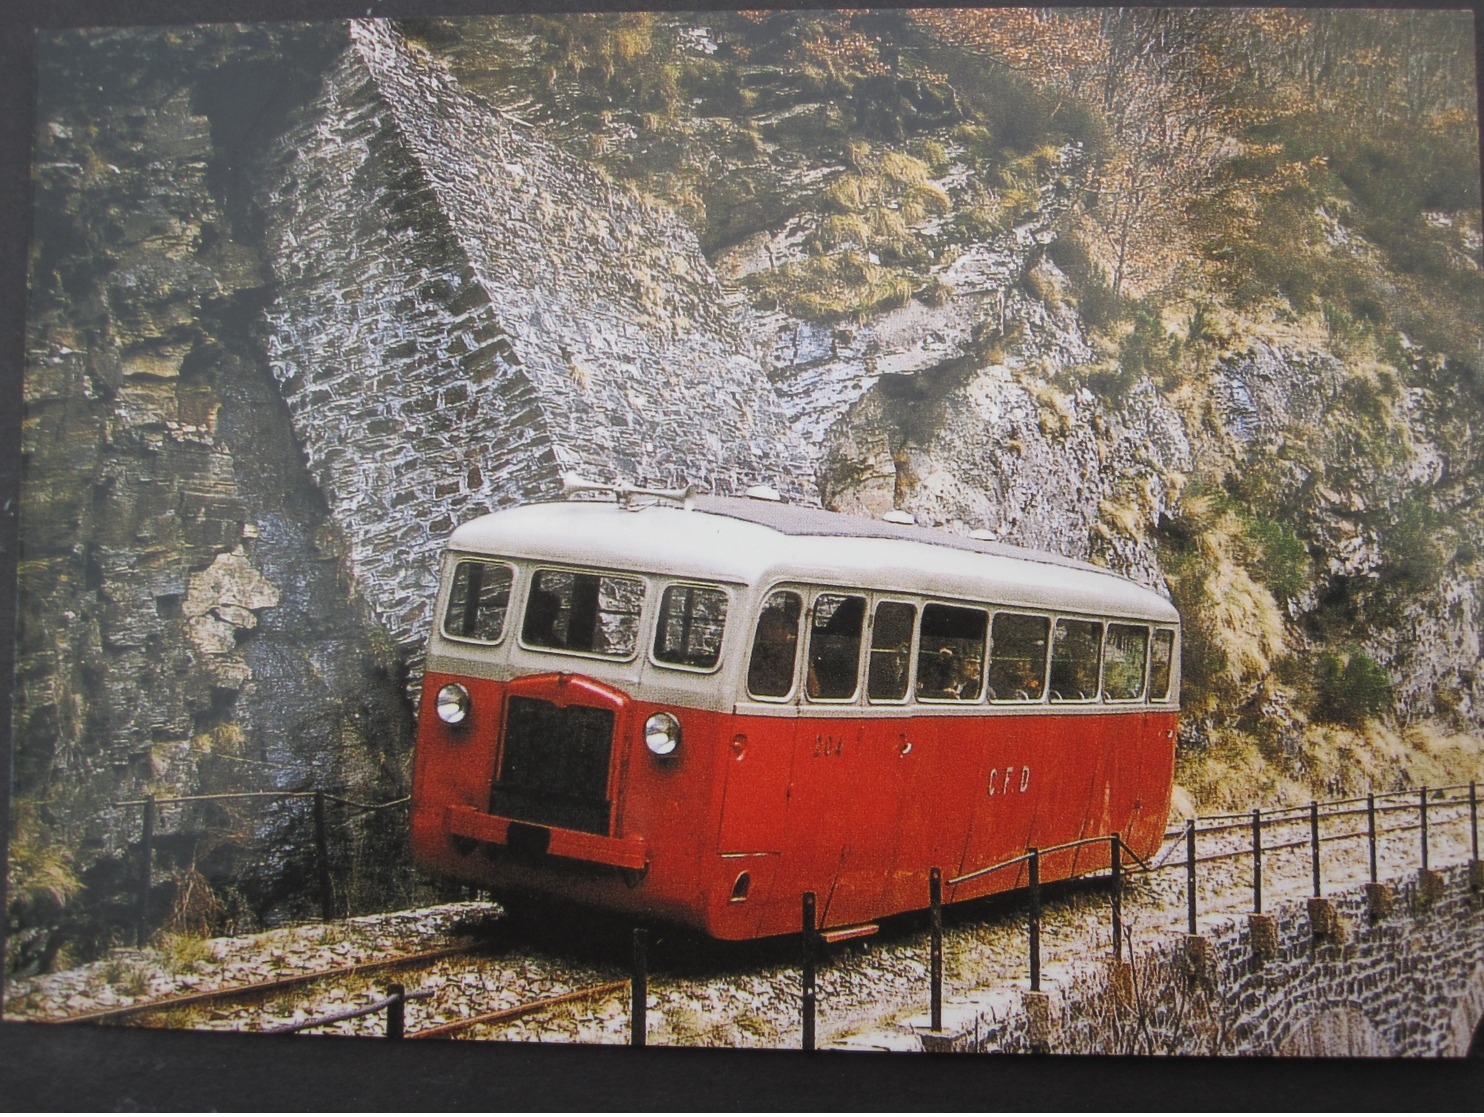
column 770, row 674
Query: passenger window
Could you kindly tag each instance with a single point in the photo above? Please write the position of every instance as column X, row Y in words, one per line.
column 835, row 646
column 478, row 601
column 1124, row 654
column 1161, row 656
column 690, row 627
column 950, row 657
column 597, row 614
column 775, row 646
column 1017, row 665
column 1075, row 651
column 891, row 650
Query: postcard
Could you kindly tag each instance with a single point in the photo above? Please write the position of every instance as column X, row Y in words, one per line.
column 886, row 530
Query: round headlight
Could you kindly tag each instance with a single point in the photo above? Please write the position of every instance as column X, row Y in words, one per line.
column 453, row 704
column 662, row 734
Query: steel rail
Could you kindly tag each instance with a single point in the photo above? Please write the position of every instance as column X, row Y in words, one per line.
column 261, row 988
column 441, row 1031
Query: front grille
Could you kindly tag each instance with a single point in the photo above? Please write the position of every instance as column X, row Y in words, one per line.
column 555, row 769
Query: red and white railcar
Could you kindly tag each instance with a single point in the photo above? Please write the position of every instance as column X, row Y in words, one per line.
column 698, row 709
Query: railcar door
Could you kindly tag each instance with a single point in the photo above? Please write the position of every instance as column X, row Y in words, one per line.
column 758, row 760
column 843, row 797
column 875, row 773
column 1017, row 763
column 944, row 751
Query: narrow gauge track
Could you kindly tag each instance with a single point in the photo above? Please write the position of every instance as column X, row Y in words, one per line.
column 513, row 991
column 260, row 989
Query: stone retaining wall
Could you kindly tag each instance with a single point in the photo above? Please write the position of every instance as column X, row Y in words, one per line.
column 1408, row 983
column 465, row 311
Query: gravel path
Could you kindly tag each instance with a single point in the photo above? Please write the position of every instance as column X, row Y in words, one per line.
column 871, row 991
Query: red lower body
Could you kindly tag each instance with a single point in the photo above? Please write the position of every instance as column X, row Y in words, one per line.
column 753, row 811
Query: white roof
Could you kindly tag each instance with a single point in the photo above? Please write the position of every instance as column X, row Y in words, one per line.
column 757, row 543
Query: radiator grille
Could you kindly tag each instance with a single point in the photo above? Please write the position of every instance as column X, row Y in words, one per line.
column 555, row 767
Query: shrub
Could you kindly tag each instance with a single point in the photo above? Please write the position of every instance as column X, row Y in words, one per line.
column 1280, row 558
column 1351, row 687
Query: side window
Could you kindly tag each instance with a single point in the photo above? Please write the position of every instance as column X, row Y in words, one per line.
column 597, row 614
column 775, row 646
column 950, row 657
column 478, row 601
column 891, row 649
column 834, row 646
column 1160, row 657
column 1017, row 666
column 692, row 619
column 1124, row 654
column 1075, row 651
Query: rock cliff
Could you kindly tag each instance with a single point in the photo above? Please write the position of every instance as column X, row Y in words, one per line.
column 304, row 298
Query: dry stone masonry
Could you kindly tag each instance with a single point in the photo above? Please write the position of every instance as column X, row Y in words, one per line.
column 1315, row 978
column 465, row 311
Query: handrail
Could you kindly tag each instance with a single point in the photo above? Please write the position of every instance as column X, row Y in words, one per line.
column 1328, row 803
column 349, row 1014
column 329, row 797
column 1268, row 820
column 1099, row 840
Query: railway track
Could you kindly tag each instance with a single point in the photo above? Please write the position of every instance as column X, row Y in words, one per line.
column 506, row 988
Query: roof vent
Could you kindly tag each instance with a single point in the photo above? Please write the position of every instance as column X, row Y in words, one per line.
column 764, row 492
column 627, row 495
column 897, row 516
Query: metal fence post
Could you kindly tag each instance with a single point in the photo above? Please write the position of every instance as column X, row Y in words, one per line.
column 322, row 856
column 396, row 1011
column 1115, row 852
column 146, row 868
column 1035, row 927
column 1314, row 841
column 1422, row 805
column 639, row 990
column 1370, row 812
column 1190, row 874
column 935, row 949
column 808, row 978
column 1257, row 861
column 1474, row 818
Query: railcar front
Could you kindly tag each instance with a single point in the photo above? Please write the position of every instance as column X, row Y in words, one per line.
column 574, row 711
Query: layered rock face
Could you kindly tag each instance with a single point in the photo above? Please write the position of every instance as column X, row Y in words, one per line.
column 185, row 622
column 465, row 311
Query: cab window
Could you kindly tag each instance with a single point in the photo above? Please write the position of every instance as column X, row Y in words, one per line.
column 1162, row 654
column 1124, row 655
column 1017, row 665
column 834, row 646
column 950, row 656
column 1076, row 648
column 775, row 646
column 478, row 600
column 692, row 619
column 585, row 612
